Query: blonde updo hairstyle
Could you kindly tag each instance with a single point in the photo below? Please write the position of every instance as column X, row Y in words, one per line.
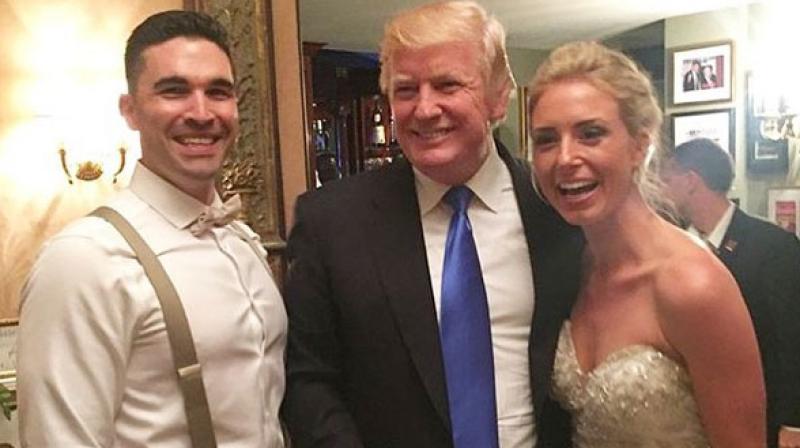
column 616, row 74
column 445, row 22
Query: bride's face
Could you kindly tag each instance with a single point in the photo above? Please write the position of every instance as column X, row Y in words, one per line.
column 584, row 158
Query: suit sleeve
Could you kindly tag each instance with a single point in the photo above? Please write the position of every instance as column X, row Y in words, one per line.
column 314, row 408
column 556, row 432
column 781, row 277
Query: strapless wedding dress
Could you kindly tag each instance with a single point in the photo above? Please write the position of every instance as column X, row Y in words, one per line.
column 637, row 397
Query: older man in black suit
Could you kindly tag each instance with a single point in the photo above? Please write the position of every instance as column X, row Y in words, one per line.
column 383, row 265
column 765, row 261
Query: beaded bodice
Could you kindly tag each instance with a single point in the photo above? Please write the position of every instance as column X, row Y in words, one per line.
column 637, row 397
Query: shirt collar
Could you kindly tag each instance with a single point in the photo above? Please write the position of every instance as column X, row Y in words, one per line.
column 717, row 234
column 177, row 207
column 488, row 184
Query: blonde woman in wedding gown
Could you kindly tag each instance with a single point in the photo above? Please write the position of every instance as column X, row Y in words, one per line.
column 659, row 349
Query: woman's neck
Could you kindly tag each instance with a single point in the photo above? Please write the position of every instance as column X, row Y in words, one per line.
column 625, row 236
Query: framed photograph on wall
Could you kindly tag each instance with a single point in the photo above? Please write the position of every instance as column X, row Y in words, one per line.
column 701, row 74
column 783, row 208
column 770, row 118
column 718, row 125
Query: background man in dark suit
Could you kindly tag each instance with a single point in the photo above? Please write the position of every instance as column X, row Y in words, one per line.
column 367, row 364
column 765, row 261
column 692, row 80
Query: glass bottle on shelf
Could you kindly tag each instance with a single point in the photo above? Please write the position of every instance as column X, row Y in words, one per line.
column 392, row 133
column 379, row 145
column 321, row 137
column 378, row 131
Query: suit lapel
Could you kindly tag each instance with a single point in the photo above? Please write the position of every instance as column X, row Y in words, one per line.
column 730, row 242
column 555, row 267
column 399, row 254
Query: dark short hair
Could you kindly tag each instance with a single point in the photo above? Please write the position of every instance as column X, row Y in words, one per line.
column 167, row 25
column 706, row 158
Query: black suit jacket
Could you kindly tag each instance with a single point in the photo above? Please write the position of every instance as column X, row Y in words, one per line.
column 765, row 261
column 690, row 82
column 364, row 365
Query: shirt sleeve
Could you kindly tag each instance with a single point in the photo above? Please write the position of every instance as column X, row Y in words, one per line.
column 76, row 326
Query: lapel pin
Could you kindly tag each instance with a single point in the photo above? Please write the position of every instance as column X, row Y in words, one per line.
column 730, row 245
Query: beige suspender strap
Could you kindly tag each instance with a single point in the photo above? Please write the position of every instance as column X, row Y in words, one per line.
column 190, row 377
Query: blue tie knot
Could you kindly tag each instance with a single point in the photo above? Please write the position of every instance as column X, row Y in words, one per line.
column 458, row 198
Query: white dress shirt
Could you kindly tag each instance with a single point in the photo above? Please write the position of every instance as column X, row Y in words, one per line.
column 507, row 274
column 716, row 235
column 94, row 363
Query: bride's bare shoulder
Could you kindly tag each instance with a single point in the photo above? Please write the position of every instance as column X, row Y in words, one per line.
column 690, row 275
column 693, row 289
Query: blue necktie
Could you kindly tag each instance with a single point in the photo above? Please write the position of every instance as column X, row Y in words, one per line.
column 465, row 333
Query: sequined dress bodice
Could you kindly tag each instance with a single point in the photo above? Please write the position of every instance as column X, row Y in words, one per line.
column 637, row 397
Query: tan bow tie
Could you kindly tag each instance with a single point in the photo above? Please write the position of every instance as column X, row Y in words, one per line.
column 217, row 216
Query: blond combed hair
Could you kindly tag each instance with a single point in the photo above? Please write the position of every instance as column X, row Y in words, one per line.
column 618, row 75
column 445, row 22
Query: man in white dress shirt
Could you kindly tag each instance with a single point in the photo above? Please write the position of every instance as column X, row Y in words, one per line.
column 95, row 366
column 367, row 257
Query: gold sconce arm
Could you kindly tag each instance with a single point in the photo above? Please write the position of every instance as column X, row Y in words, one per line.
column 62, row 153
column 122, row 152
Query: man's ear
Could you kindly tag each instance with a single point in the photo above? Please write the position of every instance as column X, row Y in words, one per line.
column 694, row 180
column 127, row 109
column 498, row 101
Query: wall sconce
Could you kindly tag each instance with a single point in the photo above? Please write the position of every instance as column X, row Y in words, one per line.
column 89, row 170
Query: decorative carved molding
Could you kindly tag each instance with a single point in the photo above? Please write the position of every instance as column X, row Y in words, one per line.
column 252, row 168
